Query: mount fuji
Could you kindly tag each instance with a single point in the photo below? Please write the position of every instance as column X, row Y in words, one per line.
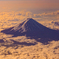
column 32, row 29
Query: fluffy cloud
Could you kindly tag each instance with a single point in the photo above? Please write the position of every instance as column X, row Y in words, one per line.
column 20, row 15
column 56, row 13
column 29, row 14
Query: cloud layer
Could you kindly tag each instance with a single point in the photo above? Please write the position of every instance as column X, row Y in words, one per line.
column 24, row 14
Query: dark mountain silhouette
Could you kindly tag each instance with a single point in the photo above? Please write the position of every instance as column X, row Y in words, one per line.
column 32, row 29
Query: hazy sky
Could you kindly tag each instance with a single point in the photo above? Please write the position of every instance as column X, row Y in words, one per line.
column 35, row 6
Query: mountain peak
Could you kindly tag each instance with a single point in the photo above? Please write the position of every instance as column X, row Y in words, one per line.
column 29, row 19
column 29, row 25
column 31, row 28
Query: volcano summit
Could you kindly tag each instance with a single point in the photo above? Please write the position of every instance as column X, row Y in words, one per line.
column 33, row 29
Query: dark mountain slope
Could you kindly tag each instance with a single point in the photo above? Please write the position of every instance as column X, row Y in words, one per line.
column 32, row 29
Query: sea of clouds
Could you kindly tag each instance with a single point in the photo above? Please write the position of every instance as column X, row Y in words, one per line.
column 11, row 50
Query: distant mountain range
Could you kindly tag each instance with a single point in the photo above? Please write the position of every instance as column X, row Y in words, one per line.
column 32, row 29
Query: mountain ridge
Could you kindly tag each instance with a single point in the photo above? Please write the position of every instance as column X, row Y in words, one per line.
column 32, row 29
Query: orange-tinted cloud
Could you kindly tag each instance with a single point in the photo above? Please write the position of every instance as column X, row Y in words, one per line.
column 56, row 13
column 20, row 15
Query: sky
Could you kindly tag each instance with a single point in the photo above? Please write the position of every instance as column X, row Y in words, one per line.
column 35, row 6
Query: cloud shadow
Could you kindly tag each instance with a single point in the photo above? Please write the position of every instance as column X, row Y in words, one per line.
column 16, row 44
